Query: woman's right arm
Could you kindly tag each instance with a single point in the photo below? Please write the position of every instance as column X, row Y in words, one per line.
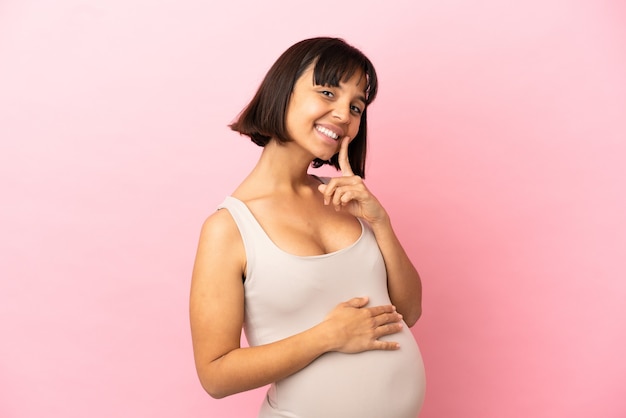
column 217, row 312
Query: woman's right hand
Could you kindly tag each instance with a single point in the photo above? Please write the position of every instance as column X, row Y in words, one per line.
column 355, row 328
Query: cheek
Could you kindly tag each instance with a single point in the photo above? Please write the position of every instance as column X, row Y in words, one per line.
column 291, row 119
column 353, row 130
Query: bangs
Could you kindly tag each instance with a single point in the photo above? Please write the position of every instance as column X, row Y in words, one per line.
column 335, row 65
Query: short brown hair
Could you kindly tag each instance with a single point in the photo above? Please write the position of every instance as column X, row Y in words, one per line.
column 335, row 61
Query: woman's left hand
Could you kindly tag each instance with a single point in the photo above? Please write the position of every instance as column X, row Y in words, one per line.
column 348, row 192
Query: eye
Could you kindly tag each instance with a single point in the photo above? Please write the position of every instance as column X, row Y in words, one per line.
column 327, row 93
column 357, row 110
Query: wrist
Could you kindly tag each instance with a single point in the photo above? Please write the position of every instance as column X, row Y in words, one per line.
column 323, row 337
column 380, row 223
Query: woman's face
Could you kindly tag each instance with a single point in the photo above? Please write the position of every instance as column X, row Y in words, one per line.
column 319, row 117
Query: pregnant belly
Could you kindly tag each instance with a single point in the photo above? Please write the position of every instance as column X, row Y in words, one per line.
column 370, row 384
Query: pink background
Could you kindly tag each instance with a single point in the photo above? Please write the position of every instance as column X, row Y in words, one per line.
column 497, row 144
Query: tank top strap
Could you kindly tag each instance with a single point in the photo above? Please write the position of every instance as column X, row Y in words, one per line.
column 252, row 234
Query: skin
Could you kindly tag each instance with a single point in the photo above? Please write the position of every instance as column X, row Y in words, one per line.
column 314, row 219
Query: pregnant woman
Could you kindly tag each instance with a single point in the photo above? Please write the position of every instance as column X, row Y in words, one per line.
column 310, row 268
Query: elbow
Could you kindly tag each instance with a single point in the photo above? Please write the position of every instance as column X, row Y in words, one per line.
column 411, row 317
column 215, row 380
column 213, row 385
column 216, row 394
column 214, row 390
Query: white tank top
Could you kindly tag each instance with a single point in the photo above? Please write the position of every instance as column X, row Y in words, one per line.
column 286, row 294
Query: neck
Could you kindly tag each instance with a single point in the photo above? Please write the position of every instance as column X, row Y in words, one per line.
column 282, row 167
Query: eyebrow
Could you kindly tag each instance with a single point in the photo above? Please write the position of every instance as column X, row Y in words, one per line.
column 359, row 97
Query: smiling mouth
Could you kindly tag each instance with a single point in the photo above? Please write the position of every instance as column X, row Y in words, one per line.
column 327, row 132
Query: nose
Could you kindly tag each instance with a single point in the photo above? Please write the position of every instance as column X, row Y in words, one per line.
column 341, row 112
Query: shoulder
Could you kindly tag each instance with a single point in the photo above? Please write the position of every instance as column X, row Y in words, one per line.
column 219, row 224
column 220, row 238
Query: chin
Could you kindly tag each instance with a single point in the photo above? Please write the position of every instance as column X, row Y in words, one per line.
column 326, row 154
column 326, row 157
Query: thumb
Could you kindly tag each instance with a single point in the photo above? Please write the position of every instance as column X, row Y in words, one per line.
column 321, row 187
column 358, row 302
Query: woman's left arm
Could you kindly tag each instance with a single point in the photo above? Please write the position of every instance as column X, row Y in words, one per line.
column 403, row 280
column 348, row 192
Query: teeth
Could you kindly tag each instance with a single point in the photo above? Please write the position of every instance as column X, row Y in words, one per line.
column 327, row 132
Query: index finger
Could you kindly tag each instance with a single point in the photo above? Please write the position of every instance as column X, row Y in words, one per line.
column 344, row 164
column 382, row 309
